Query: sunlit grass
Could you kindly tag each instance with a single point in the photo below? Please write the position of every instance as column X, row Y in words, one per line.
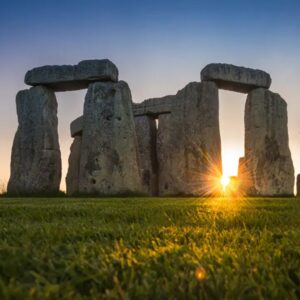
column 155, row 248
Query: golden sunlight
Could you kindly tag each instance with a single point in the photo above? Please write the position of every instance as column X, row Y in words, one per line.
column 230, row 160
column 230, row 183
column 225, row 180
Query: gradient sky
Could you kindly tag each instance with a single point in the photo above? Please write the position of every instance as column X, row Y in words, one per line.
column 158, row 46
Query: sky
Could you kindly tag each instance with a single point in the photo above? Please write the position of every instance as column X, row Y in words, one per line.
column 158, row 47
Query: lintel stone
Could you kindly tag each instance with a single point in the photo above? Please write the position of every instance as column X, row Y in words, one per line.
column 69, row 78
column 150, row 107
column 153, row 107
column 234, row 78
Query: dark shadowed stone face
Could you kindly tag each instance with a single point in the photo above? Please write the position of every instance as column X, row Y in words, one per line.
column 234, row 78
column 146, row 136
column 72, row 179
column 298, row 185
column 76, row 127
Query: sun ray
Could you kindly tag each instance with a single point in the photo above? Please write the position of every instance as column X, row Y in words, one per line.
column 225, row 180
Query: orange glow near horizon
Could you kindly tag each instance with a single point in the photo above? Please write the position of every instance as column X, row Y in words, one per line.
column 225, row 180
column 230, row 161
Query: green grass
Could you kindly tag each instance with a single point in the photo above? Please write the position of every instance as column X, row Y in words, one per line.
column 149, row 248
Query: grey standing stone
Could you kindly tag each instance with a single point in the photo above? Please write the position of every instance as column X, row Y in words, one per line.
column 76, row 127
column 267, row 153
column 189, row 144
column 72, row 179
column 234, row 78
column 244, row 177
column 146, row 136
column 69, row 78
column 35, row 160
column 109, row 155
column 241, row 167
column 298, row 185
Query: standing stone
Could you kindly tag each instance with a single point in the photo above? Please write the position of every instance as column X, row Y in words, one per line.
column 109, row 155
column 267, row 152
column 76, row 127
column 189, row 143
column 298, row 185
column 243, row 177
column 146, row 136
column 72, row 179
column 36, row 160
column 241, row 167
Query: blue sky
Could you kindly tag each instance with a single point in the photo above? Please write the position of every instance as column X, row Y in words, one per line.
column 158, row 46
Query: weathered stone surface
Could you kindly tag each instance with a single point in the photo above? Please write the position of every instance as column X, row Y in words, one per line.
column 150, row 107
column 35, row 160
column 234, row 78
column 243, row 177
column 76, row 127
column 298, row 185
column 267, row 153
column 241, row 167
column 146, row 136
column 153, row 107
column 188, row 142
column 72, row 179
column 109, row 155
column 69, row 78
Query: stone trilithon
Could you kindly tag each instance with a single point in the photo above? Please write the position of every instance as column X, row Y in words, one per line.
column 160, row 146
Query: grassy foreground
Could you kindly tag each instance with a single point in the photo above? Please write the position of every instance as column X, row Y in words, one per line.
column 150, row 248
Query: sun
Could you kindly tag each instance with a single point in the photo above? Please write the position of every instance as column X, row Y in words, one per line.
column 225, row 181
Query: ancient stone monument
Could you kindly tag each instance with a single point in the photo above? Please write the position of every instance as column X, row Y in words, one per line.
column 36, row 162
column 162, row 146
column 189, row 142
column 236, row 79
column 298, row 185
column 267, row 168
column 267, row 154
column 104, row 158
column 109, row 164
column 70, row 78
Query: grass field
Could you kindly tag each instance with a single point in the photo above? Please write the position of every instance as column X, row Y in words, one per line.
column 150, row 248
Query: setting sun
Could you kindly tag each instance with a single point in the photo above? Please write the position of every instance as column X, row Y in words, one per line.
column 225, row 181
